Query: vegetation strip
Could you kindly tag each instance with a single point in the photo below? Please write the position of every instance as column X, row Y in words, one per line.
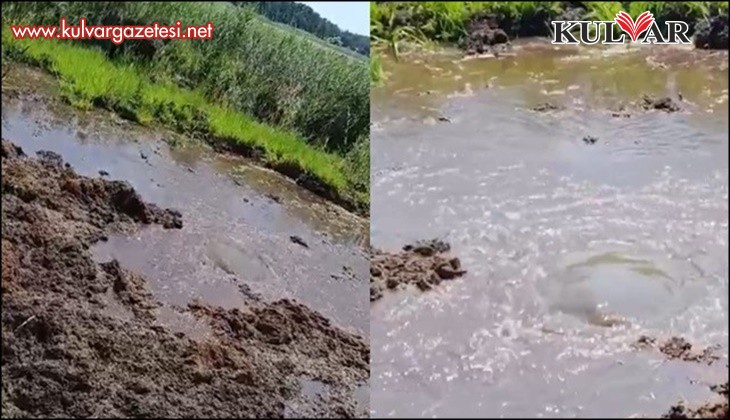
column 253, row 76
column 88, row 78
column 393, row 23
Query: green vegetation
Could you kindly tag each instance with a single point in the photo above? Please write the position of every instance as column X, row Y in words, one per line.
column 397, row 22
column 254, row 86
column 323, row 42
column 376, row 70
column 302, row 17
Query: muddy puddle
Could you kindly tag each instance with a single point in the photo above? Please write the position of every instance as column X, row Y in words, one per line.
column 574, row 248
column 240, row 219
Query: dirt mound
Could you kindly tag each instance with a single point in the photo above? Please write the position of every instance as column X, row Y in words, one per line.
column 678, row 348
column 483, row 33
column 710, row 410
column 647, row 103
column 425, row 264
column 80, row 339
column 547, row 107
column 712, row 33
column 665, row 104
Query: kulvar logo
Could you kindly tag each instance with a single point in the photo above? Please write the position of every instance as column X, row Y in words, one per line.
column 592, row 32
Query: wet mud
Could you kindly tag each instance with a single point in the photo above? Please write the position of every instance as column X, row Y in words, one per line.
column 80, row 337
column 424, row 264
column 678, row 348
column 483, row 34
column 717, row 409
column 712, row 33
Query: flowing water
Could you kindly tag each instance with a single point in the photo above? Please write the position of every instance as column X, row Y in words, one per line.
column 238, row 219
column 557, row 235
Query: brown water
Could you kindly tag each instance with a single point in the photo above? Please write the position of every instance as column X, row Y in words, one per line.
column 238, row 218
column 555, row 233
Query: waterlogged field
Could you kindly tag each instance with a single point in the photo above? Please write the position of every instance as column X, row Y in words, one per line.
column 256, row 86
column 584, row 218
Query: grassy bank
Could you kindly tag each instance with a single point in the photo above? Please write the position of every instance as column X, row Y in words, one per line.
column 253, row 65
column 89, row 78
column 395, row 22
column 304, row 108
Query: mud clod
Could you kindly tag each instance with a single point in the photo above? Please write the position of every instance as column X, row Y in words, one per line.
column 80, row 339
column 665, row 104
column 483, row 33
column 677, row 348
column 712, row 33
column 546, row 107
column 298, row 240
column 717, row 409
column 424, row 264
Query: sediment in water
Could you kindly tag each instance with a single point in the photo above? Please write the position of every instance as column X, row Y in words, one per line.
column 80, row 339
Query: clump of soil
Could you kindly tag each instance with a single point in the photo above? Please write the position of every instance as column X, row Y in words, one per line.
column 712, row 33
column 709, row 410
column 424, row 264
column 665, row 104
column 546, row 107
column 80, row 339
column 677, row 348
column 483, row 33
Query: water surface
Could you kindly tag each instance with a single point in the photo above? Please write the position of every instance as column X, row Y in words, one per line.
column 555, row 233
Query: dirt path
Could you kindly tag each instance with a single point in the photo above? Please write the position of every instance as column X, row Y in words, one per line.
column 80, row 340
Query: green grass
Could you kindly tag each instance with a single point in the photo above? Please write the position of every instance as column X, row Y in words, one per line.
column 376, row 70
column 392, row 23
column 320, row 42
column 89, row 78
column 273, row 73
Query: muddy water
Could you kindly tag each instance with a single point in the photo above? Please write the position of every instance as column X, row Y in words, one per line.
column 557, row 235
column 238, row 219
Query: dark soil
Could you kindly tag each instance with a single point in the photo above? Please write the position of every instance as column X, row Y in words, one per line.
column 717, row 409
column 647, row 103
column 712, row 33
column 677, row 348
column 665, row 104
column 80, row 339
column 547, row 107
column 590, row 140
column 483, row 33
column 424, row 264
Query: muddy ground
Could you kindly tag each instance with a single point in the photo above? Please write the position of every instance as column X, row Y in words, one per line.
column 424, row 264
column 716, row 409
column 80, row 338
column 677, row 348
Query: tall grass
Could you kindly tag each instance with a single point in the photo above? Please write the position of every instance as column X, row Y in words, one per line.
column 251, row 64
column 88, row 78
column 376, row 70
column 255, row 85
column 447, row 21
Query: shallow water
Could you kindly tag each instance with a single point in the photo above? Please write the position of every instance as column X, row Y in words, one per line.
column 237, row 218
column 554, row 232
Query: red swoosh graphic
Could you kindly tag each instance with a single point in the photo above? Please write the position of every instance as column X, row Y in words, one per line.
column 634, row 29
